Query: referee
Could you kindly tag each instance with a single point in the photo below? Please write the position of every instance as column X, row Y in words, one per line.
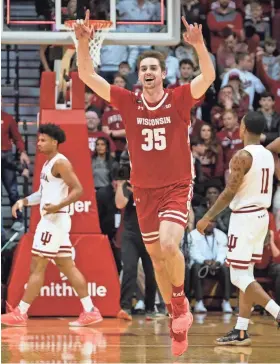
column 133, row 248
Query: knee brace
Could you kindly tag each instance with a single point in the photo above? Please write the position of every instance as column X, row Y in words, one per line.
column 242, row 278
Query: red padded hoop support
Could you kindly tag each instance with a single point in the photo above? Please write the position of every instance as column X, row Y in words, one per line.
column 96, row 24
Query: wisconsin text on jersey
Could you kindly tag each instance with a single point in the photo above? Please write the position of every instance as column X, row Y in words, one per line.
column 152, row 122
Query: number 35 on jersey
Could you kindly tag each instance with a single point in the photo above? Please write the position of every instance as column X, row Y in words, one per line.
column 154, row 139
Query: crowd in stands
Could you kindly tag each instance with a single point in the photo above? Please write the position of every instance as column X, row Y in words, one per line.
column 244, row 40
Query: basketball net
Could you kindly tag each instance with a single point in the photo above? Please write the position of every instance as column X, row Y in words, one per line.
column 101, row 27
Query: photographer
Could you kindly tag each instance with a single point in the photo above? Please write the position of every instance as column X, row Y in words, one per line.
column 132, row 247
column 207, row 255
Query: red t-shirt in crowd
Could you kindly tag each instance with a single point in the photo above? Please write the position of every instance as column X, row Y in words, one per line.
column 9, row 131
column 113, row 120
column 93, row 135
column 231, row 143
column 157, row 135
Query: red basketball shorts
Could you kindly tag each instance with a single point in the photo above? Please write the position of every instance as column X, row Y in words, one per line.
column 153, row 205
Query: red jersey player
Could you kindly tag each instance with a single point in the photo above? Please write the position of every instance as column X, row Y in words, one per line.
column 156, row 123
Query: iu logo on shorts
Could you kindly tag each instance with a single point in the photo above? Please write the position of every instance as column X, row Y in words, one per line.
column 46, row 238
column 232, row 242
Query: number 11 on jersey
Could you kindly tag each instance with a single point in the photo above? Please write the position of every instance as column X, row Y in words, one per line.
column 265, row 178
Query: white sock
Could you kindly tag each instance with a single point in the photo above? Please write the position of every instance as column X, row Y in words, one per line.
column 273, row 308
column 87, row 303
column 23, row 307
column 242, row 323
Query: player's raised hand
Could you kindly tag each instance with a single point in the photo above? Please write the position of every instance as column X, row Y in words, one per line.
column 82, row 28
column 193, row 34
column 202, row 225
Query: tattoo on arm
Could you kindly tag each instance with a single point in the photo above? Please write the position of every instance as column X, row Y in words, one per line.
column 239, row 166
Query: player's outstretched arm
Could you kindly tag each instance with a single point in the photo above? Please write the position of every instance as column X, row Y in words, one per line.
column 87, row 74
column 274, row 146
column 202, row 82
column 64, row 170
column 239, row 166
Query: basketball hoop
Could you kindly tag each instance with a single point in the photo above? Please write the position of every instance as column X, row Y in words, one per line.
column 101, row 27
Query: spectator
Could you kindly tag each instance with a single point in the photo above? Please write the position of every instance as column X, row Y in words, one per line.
column 132, row 249
column 186, row 51
column 112, row 55
column 198, row 151
column 207, row 254
column 172, row 64
column 10, row 133
column 272, row 127
column 130, row 77
column 192, row 11
column 222, row 18
column 226, row 51
column 229, row 138
column 93, row 123
column 212, row 160
column 104, row 166
column 186, row 67
column 240, row 97
column 196, row 124
column 93, row 100
column 271, row 84
column 213, row 189
column 225, row 102
column 256, row 24
column 270, row 263
column 112, row 123
column 137, row 10
column 269, row 60
column 251, row 83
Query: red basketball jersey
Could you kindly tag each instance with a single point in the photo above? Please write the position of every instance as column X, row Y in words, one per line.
column 157, row 135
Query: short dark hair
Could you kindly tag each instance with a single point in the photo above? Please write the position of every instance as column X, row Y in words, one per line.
column 152, row 54
column 54, row 131
column 254, row 122
column 124, row 63
column 240, row 56
column 227, row 32
column 266, row 94
column 94, row 109
column 186, row 61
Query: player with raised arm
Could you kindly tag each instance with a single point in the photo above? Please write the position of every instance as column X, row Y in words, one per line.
column 156, row 123
column 51, row 239
column 248, row 193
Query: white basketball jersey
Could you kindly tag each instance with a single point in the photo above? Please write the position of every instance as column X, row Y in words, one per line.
column 256, row 188
column 53, row 189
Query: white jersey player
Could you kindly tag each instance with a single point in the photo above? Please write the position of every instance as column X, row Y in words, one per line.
column 248, row 193
column 52, row 233
column 51, row 240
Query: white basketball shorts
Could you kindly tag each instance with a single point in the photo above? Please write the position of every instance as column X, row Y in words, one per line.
column 246, row 235
column 51, row 238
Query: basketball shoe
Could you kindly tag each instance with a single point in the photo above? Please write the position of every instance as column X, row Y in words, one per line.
column 124, row 315
column 182, row 317
column 179, row 342
column 87, row 318
column 14, row 318
column 235, row 337
column 179, row 324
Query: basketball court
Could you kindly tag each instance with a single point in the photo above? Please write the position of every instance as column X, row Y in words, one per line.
column 118, row 341
column 50, row 340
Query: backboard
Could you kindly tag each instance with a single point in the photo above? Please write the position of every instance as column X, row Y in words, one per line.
column 135, row 22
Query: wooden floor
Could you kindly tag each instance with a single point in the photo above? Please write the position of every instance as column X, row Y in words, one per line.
column 116, row 341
